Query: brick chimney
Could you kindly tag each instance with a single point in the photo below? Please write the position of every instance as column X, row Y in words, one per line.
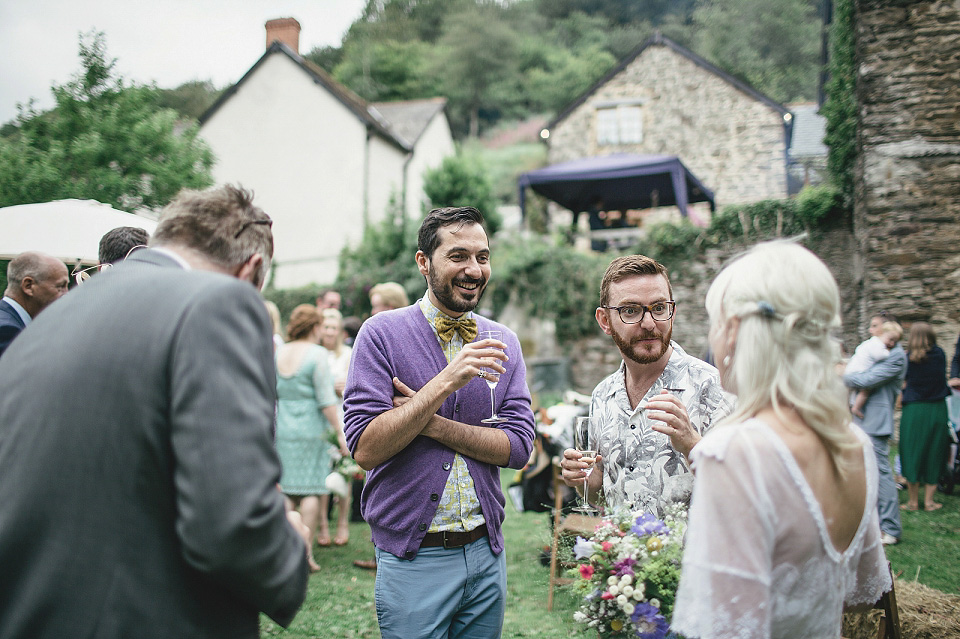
column 286, row 30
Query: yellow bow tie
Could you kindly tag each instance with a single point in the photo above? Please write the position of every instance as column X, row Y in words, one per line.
column 446, row 326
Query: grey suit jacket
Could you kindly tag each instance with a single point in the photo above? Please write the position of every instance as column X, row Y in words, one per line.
column 885, row 381
column 10, row 325
column 137, row 469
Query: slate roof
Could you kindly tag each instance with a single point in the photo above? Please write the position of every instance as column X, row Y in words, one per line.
column 354, row 103
column 409, row 118
column 809, row 128
column 659, row 39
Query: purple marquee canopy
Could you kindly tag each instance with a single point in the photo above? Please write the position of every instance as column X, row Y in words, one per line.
column 617, row 182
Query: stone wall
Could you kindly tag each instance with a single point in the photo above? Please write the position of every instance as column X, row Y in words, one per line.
column 907, row 209
column 730, row 140
column 594, row 357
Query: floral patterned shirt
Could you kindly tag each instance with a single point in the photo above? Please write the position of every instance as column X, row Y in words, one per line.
column 637, row 459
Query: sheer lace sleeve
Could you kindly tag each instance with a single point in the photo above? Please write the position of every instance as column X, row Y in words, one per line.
column 725, row 585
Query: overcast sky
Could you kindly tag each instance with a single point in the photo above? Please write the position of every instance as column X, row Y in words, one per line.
column 165, row 41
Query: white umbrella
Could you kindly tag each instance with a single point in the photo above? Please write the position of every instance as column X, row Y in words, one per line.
column 67, row 229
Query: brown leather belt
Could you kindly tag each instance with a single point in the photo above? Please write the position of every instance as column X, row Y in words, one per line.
column 450, row 539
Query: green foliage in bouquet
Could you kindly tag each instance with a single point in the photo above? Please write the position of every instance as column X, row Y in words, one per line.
column 629, row 571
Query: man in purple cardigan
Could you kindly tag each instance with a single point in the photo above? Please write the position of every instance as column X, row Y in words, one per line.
column 413, row 403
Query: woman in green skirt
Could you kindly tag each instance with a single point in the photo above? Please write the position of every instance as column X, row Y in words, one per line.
column 924, row 440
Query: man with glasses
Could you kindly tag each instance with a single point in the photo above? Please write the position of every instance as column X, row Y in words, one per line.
column 649, row 414
column 138, row 474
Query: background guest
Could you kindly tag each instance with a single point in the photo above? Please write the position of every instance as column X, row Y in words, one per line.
column 954, row 380
column 116, row 244
column 328, row 298
column 785, row 483
column 387, row 296
column 274, row 312
column 331, row 338
column 924, row 439
column 307, row 408
column 34, row 281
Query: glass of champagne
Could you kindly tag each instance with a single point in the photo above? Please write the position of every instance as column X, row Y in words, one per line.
column 492, row 378
column 588, row 454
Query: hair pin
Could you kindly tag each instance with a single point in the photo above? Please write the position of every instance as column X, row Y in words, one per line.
column 766, row 309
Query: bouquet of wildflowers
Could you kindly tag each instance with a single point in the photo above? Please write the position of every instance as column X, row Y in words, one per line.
column 628, row 573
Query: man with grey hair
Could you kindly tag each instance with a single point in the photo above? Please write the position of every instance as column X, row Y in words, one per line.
column 142, row 501
column 34, row 281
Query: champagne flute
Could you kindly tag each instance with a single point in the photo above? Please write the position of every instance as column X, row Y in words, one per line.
column 588, row 454
column 491, row 377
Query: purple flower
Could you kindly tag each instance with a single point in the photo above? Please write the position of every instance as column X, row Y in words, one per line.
column 647, row 524
column 649, row 622
column 624, row 567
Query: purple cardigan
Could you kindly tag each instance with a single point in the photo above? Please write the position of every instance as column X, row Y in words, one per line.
column 401, row 495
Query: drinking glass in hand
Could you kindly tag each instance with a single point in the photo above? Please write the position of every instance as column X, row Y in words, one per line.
column 588, row 454
column 491, row 377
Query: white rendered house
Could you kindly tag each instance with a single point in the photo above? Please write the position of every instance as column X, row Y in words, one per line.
column 320, row 160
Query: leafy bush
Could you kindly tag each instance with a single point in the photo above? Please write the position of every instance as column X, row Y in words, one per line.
column 550, row 281
column 461, row 181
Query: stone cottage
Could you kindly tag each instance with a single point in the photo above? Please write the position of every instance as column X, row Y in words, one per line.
column 663, row 99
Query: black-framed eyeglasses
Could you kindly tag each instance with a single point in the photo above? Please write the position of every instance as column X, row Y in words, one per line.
column 634, row 313
column 268, row 223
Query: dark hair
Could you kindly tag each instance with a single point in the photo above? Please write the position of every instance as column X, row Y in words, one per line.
column 351, row 325
column 428, row 239
column 222, row 224
column 626, row 266
column 116, row 244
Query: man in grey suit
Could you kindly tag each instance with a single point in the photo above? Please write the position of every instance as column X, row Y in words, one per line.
column 885, row 381
column 34, row 281
column 138, row 474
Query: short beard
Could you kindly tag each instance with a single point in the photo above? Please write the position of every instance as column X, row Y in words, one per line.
column 628, row 351
column 448, row 298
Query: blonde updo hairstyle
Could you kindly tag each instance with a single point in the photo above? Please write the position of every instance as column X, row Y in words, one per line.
column 785, row 355
column 303, row 320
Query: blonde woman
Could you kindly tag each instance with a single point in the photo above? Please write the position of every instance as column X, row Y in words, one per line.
column 331, row 338
column 783, row 529
column 307, row 408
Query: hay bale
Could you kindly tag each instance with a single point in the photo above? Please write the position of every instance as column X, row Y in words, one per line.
column 925, row 613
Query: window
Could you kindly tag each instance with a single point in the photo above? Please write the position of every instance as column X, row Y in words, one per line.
column 619, row 124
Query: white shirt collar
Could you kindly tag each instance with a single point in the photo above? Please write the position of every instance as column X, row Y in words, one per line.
column 22, row 312
column 174, row 256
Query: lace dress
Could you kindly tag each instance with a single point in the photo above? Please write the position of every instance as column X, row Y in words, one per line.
column 758, row 560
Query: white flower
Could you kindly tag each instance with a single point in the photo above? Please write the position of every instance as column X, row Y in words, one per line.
column 579, row 617
column 626, row 579
column 583, row 548
column 627, row 590
column 622, row 600
column 628, row 608
column 655, row 602
column 638, row 595
column 611, row 580
column 614, row 590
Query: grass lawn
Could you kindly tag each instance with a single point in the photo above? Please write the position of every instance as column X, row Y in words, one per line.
column 340, row 598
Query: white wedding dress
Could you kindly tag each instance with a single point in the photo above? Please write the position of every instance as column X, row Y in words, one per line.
column 758, row 560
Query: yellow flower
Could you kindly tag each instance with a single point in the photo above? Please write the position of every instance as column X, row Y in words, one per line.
column 616, row 625
column 654, row 544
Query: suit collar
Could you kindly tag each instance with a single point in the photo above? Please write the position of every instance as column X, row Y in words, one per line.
column 16, row 311
column 157, row 257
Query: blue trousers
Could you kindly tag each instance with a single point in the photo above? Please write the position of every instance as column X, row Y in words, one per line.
column 887, row 504
column 456, row 593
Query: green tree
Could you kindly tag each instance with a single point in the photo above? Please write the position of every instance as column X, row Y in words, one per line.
column 476, row 63
column 104, row 140
column 840, row 109
column 387, row 70
column 774, row 45
column 190, row 99
column 460, row 181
